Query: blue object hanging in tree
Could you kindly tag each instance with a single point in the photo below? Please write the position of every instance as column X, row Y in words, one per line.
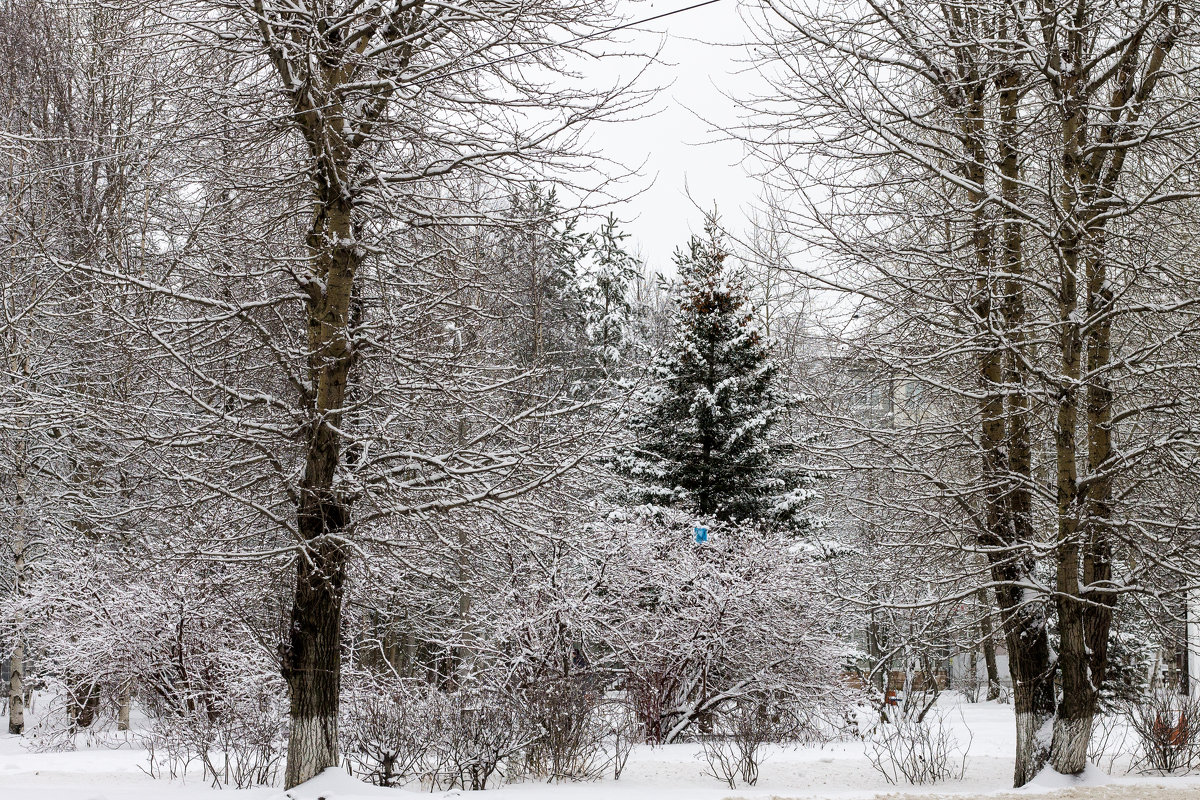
column 701, row 534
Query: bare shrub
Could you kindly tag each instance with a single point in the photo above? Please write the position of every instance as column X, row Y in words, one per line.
column 1167, row 729
column 916, row 749
column 735, row 752
column 482, row 732
column 568, row 715
column 235, row 741
column 626, row 731
column 722, row 758
column 390, row 731
column 399, row 730
column 973, row 686
column 1108, row 740
column 805, row 722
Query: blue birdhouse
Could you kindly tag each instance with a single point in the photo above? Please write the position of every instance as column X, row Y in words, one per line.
column 701, row 534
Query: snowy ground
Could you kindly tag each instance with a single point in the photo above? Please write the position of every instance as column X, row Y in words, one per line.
column 834, row 772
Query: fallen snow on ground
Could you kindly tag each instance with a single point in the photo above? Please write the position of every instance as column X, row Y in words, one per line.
column 839, row 771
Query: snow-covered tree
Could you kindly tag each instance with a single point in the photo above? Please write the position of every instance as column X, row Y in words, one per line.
column 604, row 288
column 701, row 627
column 572, row 286
column 999, row 235
column 704, row 429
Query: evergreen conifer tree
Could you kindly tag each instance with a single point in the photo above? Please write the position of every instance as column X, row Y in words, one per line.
column 704, row 429
column 604, row 290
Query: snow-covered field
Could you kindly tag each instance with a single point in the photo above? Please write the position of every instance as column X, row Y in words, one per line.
column 838, row 771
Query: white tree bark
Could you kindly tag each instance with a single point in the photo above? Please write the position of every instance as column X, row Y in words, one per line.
column 16, row 683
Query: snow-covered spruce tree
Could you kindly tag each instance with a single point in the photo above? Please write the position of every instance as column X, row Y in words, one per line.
column 604, row 289
column 704, row 429
column 573, row 286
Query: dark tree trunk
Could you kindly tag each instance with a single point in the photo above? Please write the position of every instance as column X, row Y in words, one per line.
column 988, row 643
column 84, row 705
column 313, row 663
column 1011, row 535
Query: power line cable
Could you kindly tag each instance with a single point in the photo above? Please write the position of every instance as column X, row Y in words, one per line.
column 567, row 43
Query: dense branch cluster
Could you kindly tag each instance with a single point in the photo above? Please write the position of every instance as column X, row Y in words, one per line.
column 341, row 425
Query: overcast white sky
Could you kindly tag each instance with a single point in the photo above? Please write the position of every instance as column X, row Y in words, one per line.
column 682, row 154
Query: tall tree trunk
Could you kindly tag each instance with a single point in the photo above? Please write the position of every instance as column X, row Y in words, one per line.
column 16, row 661
column 875, row 654
column 1073, row 721
column 972, row 684
column 1023, row 617
column 1080, row 689
column 987, row 639
column 1008, row 532
column 312, row 662
column 1085, row 613
column 1026, row 629
column 1031, row 668
column 1092, row 165
column 1006, row 539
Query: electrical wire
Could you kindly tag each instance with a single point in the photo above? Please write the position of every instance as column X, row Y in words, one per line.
column 567, row 43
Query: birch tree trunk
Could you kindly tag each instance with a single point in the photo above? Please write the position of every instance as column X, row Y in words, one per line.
column 16, row 661
column 16, row 691
column 123, row 709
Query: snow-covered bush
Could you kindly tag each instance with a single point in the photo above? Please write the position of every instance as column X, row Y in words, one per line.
column 702, row 625
column 482, row 734
column 183, row 641
column 916, row 749
column 583, row 734
column 236, row 737
column 52, row 716
column 1167, row 729
column 396, row 731
column 399, row 730
column 390, row 729
column 734, row 751
column 568, row 714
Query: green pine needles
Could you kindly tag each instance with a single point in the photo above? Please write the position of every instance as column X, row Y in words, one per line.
column 705, row 428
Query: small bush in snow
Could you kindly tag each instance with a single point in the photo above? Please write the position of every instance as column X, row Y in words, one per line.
column 1108, row 741
column 735, row 752
column 1167, row 729
column 389, row 731
column 916, row 749
column 482, row 732
column 236, row 740
column 580, row 735
column 403, row 730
